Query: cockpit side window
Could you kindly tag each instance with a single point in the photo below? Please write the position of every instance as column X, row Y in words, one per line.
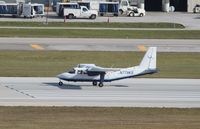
column 72, row 71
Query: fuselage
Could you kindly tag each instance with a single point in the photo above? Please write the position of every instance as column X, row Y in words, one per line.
column 109, row 76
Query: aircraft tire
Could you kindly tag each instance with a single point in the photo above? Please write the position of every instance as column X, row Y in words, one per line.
column 100, row 84
column 94, row 83
column 60, row 83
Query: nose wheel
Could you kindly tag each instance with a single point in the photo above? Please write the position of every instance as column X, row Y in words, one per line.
column 60, row 83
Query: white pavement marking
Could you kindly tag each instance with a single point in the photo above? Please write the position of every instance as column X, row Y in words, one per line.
column 181, row 93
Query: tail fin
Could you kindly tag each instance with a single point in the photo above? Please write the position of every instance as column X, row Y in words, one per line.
column 149, row 60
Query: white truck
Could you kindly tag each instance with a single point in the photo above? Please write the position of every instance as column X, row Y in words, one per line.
column 81, row 12
column 125, row 6
column 61, row 6
column 136, row 12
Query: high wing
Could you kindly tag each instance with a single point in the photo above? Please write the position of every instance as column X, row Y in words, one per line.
column 94, row 68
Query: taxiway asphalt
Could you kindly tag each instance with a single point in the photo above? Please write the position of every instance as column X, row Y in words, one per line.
column 164, row 45
column 139, row 92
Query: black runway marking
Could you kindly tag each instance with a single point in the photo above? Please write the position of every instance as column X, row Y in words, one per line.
column 21, row 92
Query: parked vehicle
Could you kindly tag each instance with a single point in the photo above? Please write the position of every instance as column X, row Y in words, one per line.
column 33, row 10
column 197, row 9
column 109, row 8
column 9, row 9
column 21, row 9
column 81, row 12
column 61, row 6
column 125, row 6
column 136, row 12
column 91, row 5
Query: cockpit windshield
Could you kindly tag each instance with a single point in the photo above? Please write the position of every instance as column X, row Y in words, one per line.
column 71, row 71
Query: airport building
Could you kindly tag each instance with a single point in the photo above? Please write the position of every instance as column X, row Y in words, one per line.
column 149, row 5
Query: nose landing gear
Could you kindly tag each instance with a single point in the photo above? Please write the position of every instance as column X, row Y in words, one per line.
column 60, row 83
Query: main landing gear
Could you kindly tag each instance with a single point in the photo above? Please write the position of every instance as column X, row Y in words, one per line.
column 100, row 84
column 94, row 83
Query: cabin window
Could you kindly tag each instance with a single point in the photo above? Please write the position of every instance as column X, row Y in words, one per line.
column 80, row 72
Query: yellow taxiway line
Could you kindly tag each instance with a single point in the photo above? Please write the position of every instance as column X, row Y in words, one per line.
column 142, row 48
column 37, row 47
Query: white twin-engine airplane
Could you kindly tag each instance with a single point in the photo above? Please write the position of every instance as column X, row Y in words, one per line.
column 95, row 74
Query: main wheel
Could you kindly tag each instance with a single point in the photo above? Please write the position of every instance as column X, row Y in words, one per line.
column 94, row 83
column 141, row 14
column 100, row 84
column 60, row 83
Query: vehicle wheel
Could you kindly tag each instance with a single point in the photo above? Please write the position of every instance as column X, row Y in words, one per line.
column 121, row 12
column 70, row 16
column 141, row 14
column 100, row 84
column 116, row 15
column 94, row 83
column 60, row 83
column 101, row 14
column 131, row 14
column 93, row 16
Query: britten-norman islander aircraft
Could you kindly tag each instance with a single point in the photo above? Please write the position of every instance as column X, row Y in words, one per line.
column 96, row 74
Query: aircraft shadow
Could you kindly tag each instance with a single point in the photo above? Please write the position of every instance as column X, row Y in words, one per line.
column 118, row 85
column 78, row 87
column 197, row 18
column 65, row 86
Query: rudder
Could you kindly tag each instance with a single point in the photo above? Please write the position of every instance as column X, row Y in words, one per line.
column 149, row 60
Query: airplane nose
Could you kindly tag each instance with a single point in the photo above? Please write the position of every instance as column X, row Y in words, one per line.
column 60, row 76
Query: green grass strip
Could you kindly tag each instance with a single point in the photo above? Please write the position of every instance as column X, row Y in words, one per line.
column 51, row 63
column 93, row 24
column 131, row 34
column 98, row 118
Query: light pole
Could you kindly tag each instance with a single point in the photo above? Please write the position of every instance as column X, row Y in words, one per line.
column 47, row 12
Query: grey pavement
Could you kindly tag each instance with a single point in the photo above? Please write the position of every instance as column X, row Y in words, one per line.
column 164, row 45
column 190, row 20
column 180, row 93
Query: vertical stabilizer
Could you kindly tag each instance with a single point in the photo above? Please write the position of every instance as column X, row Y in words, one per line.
column 149, row 60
